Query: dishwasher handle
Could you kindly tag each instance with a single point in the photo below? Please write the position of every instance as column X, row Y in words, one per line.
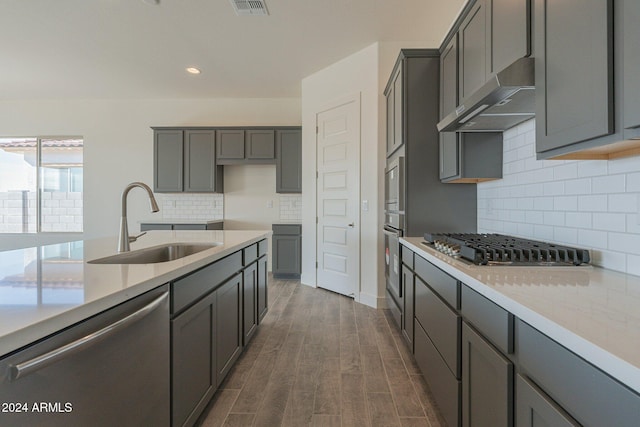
column 23, row 369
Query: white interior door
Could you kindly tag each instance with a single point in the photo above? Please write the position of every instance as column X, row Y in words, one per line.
column 338, row 197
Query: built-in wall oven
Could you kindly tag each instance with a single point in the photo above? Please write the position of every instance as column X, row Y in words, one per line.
column 393, row 230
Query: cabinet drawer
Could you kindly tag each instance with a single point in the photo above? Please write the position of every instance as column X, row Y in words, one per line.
column 445, row 387
column 148, row 227
column 262, row 247
column 292, row 229
column 592, row 397
column 250, row 254
column 407, row 257
column 493, row 321
column 442, row 324
column 189, row 289
column 444, row 285
column 189, row 226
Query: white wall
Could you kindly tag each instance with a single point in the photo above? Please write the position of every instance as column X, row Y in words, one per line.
column 586, row 203
column 364, row 73
column 119, row 144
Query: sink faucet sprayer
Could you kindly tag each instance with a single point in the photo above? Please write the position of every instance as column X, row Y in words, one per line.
column 125, row 239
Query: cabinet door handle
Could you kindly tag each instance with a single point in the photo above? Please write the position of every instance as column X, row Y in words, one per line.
column 25, row 368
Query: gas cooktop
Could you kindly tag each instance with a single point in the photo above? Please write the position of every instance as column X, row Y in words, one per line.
column 499, row 249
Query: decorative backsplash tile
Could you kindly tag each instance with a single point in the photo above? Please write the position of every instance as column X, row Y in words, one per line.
column 291, row 207
column 191, row 206
column 586, row 203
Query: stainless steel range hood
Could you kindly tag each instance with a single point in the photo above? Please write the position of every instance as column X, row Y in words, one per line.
column 506, row 100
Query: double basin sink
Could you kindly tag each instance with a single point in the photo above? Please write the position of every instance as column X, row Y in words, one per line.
column 155, row 254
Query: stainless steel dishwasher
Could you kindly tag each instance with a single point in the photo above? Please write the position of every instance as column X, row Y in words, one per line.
column 110, row 370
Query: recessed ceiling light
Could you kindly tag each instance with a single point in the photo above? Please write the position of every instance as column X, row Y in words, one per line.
column 151, row 2
column 193, row 70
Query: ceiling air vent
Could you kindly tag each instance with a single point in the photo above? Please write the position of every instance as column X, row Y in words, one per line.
column 249, row 7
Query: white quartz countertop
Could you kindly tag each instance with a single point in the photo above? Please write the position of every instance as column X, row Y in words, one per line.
column 591, row 311
column 47, row 288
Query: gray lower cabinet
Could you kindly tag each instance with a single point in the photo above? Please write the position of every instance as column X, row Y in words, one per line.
column 147, row 226
column 288, row 161
column 287, row 250
column 574, row 71
column 228, row 326
column 536, row 409
column 263, row 303
column 408, row 284
column 185, row 161
column 589, row 395
column 487, row 383
column 193, row 360
column 250, row 302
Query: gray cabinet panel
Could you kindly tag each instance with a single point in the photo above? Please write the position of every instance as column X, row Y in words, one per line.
column 535, row 409
column 263, row 303
column 189, row 226
column 444, row 386
column 441, row 324
column 289, row 161
column 487, row 383
column 445, row 286
column 398, row 109
column 390, row 129
column 167, row 161
column 573, row 67
column 286, row 250
column 495, row 322
column 449, row 78
column 449, row 155
column 149, row 227
column 407, row 256
column 230, row 144
column 260, row 144
column 193, row 352
column 250, row 302
column 473, row 39
column 592, row 397
column 631, row 57
column 408, row 283
column 509, row 32
column 199, row 161
column 228, row 326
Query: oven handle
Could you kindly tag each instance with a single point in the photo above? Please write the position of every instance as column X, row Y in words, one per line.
column 390, row 231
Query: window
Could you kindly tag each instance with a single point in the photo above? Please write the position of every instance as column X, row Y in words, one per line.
column 41, row 184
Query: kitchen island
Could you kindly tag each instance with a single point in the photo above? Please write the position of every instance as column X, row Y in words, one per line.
column 561, row 341
column 189, row 319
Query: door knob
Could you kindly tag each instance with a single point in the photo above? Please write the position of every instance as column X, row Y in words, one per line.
column 351, row 225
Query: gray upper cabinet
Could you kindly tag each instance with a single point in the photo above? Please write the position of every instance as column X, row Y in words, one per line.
column 167, row 160
column 464, row 158
column 510, row 33
column 394, row 111
column 184, row 161
column 289, row 161
column 573, row 67
column 473, row 38
column 230, row 144
column 200, row 170
column 631, row 55
column 242, row 146
column 260, row 144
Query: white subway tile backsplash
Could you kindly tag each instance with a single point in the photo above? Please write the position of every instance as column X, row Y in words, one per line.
column 191, row 206
column 589, row 203
column 608, row 184
column 609, row 221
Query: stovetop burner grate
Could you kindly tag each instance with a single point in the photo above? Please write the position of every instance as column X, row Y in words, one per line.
column 483, row 249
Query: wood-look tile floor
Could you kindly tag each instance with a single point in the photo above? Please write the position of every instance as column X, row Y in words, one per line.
column 320, row 359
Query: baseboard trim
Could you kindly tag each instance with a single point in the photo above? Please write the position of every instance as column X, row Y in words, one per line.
column 372, row 300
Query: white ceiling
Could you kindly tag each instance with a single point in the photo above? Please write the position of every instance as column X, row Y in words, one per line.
column 52, row 49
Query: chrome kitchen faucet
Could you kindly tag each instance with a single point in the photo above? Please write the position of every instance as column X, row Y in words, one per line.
column 125, row 239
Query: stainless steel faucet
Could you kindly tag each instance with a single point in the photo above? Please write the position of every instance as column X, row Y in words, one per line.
column 125, row 239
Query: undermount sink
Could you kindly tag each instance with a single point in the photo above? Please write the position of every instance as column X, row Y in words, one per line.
column 155, row 254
